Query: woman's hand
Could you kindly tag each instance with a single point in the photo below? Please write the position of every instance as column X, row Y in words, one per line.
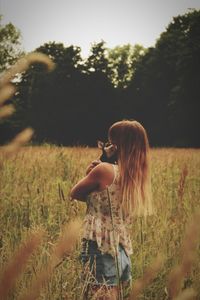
column 93, row 164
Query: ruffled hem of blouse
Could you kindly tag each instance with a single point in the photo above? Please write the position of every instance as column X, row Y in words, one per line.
column 101, row 231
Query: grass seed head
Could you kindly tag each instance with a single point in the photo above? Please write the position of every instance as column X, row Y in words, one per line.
column 147, row 278
column 6, row 111
column 68, row 238
column 23, row 64
column 65, row 245
column 37, row 57
column 188, row 294
column 20, row 140
column 16, row 265
column 188, row 257
column 6, row 93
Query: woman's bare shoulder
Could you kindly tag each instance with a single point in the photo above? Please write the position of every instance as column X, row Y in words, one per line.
column 103, row 167
column 104, row 173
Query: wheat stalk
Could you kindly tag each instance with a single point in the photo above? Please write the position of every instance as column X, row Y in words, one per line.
column 7, row 91
column 64, row 246
column 16, row 265
column 149, row 274
column 187, row 294
column 19, row 140
column 6, row 111
column 188, row 257
column 23, row 64
column 181, row 185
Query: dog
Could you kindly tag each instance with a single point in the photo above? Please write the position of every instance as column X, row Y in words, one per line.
column 109, row 152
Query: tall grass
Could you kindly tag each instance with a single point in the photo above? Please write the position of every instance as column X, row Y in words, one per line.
column 34, row 195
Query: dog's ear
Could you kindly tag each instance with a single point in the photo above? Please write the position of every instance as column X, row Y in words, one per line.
column 111, row 150
column 100, row 144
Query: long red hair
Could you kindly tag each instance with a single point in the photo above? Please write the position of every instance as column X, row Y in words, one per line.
column 132, row 145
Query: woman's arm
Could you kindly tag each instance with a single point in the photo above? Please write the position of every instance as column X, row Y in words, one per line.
column 93, row 164
column 95, row 180
column 87, row 185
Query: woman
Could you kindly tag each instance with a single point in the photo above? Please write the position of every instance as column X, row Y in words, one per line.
column 114, row 194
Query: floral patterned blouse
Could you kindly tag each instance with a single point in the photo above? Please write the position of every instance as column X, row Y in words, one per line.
column 104, row 221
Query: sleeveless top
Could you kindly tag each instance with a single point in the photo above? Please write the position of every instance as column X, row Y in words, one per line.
column 104, row 221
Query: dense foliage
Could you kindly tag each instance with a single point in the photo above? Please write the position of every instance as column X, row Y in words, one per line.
column 77, row 102
column 9, row 45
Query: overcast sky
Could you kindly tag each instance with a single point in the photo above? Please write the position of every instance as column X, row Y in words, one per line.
column 82, row 22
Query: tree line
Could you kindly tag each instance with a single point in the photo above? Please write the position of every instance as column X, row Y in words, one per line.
column 77, row 102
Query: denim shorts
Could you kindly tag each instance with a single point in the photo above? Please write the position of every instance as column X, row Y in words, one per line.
column 103, row 268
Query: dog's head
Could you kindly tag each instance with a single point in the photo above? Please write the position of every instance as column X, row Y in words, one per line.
column 109, row 152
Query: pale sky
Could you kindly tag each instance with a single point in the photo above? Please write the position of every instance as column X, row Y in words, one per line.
column 83, row 22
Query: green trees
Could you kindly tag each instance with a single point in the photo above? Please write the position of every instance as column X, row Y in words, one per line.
column 9, row 45
column 166, row 84
column 123, row 61
column 10, row 51
column 185, row 94
column 80, row 99
column 49, row 99
column 67, row 106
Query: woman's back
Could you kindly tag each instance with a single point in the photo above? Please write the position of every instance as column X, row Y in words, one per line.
column 105, row 222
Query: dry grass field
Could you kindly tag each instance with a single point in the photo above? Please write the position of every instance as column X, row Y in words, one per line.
column 38, row 262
